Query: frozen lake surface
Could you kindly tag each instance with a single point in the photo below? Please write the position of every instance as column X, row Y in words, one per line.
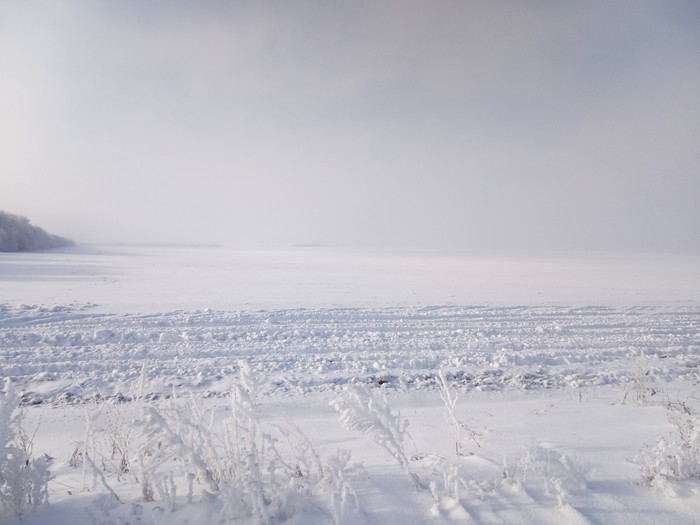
column 145, row 279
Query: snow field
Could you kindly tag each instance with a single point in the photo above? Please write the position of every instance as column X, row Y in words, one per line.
column 157, row 382
column 550, row 407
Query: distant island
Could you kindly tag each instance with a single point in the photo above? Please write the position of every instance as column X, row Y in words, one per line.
column 17, row 234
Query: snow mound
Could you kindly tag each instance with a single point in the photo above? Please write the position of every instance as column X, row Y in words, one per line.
column 17, row 234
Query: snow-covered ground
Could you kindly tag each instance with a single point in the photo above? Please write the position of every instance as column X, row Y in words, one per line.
column 534, row 389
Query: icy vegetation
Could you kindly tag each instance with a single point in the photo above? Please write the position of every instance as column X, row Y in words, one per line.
column 23, row 479
column 17, row 234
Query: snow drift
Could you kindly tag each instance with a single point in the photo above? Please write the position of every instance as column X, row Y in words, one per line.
column 18, row 235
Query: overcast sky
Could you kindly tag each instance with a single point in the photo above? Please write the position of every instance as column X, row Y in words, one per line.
column 477, row 125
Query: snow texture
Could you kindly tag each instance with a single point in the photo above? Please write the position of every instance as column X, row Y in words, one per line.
column 67, row 354
column 384, row 414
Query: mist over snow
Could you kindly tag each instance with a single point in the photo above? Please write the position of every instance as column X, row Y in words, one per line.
column 17, row 234
column 481, row 126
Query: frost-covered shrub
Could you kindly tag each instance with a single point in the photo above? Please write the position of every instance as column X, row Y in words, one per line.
column 181, row 455
column 642, row 383
column 18, row 235
column 676, row 457
column 176, row 431
column 359, row 409
column 23, row 479
column 449, row 401
column 556, row 473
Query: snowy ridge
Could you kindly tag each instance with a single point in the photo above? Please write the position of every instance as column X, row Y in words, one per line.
column 66, row 353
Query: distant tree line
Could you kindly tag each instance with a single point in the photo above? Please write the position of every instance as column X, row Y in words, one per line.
column 18, row 235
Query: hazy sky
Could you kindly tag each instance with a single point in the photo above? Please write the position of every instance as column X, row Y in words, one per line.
column 483, row 125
